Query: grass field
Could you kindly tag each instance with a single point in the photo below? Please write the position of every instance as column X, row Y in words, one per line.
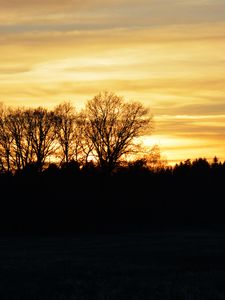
column 168, row 264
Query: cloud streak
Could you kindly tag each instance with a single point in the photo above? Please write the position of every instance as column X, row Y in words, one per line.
column 111, row 14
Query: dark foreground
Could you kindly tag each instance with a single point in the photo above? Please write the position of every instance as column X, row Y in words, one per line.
column 164, row 264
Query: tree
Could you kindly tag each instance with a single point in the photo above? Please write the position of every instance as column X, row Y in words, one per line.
column 65, row 120
column 21, row 149
column 5, row 140
column 112, row 126
column 154, row 159
column 70, row 134
column 41, row 130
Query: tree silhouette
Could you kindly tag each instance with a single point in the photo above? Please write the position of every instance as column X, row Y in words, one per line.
column 18, row 125
column 112, row 125
column 42, row 132
column 70, row 134
column 154, row 159
column 66, row 131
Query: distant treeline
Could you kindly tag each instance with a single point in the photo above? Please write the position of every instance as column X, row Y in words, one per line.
column 67, row 198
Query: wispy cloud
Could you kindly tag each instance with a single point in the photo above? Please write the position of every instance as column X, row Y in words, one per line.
column 111, row 13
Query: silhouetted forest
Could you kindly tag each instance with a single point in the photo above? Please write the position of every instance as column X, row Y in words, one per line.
column 67, row 171
column 73, row 199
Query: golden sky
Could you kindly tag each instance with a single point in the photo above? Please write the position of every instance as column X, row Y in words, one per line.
column 169, row 54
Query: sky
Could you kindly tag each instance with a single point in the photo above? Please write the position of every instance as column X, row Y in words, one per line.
column 167, row 54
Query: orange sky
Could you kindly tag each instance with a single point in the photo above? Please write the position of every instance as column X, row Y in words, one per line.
column 169, row 54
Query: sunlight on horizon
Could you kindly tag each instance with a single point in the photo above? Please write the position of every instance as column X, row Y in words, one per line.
column 176, row 150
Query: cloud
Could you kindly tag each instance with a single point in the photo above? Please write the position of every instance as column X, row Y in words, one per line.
column 107, row 14
column 8, row 70
column 189, row 125
column 177, row 69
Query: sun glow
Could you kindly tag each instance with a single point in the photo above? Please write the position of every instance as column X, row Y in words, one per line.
column 177, row 149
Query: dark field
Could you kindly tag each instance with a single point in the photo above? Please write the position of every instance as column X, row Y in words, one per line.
column 164, row 264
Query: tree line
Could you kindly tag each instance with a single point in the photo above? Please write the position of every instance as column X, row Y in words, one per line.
column 103, row 132
column 55, row 166
column 70, row 199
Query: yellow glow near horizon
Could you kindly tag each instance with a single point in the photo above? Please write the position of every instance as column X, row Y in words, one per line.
column 175, row 150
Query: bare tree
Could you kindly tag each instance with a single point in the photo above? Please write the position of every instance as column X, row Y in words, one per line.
column 5, row 140
column 21, row 148
column 154, row 159
column 112, row 125
column 65, row 120
column 85, row 144
column 70, row 134
column 41, row 130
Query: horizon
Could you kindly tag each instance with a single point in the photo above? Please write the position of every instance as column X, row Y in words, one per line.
column 168, row 54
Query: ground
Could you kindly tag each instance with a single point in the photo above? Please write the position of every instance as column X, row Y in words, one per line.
column 163, row 264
